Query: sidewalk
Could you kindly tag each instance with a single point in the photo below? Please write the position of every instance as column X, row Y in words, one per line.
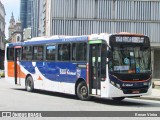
column 154, row 96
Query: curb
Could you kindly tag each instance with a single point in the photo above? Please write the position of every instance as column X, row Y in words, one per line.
column 149, row 98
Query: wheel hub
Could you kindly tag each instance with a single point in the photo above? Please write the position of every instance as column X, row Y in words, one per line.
column 84, row 91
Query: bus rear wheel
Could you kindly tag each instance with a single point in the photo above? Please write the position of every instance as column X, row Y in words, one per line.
column 82, row 91
column 29, row 84
column 118, row 98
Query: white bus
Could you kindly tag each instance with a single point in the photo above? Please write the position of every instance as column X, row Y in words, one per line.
column 105, row 65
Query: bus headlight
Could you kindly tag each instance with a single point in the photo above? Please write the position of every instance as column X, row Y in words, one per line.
column 112, row 83
column 118, row 86
column 145, row 83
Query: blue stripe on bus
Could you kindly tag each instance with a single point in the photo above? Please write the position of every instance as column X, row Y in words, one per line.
column 57, row 71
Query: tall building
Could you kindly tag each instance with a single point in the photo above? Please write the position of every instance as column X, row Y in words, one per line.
column 35, row 17
column 38, row 17
column 48, row 17
column 32, row 16
column 25, row 13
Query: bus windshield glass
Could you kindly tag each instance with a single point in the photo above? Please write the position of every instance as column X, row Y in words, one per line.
column 130, row 57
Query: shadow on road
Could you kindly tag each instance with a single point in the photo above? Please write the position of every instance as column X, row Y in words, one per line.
column 48, row 93
column 125, row 102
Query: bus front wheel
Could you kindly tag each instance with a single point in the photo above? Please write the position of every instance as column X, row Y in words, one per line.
column 82, row 91
column 29, row 84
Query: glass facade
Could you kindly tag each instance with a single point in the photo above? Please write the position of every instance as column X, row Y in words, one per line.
column 25, row 13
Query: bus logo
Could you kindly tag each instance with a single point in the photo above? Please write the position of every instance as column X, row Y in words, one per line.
column 66, row 72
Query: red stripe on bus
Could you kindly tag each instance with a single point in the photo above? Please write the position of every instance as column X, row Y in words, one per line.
column 131, row 81
column 87, row 73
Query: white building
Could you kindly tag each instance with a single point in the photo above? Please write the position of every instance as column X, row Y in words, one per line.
column 2, row 26
column 79, row 17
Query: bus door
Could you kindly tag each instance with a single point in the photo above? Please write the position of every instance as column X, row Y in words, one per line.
column 17, row 52
column 97, row 69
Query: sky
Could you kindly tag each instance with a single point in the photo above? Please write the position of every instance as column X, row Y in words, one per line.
column 11, row 6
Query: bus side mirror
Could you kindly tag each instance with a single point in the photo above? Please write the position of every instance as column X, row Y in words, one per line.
column 109, row 54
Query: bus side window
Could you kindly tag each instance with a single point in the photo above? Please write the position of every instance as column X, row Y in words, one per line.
column 50, row 52
column 79, row 51
column 10, row 54
column 38, row 53
column 27, row 53
column 64, row 52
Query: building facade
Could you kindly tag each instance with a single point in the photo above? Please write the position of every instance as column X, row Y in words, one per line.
column 80, row 17
column 37, row 6
column 2, row 34
column 15, row 30
column 25, row 13
column 69, row 17
column 2, row 26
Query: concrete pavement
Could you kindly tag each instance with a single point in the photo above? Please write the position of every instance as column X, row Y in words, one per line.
column 154, row 96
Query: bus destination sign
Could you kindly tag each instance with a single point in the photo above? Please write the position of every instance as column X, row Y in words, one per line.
column 129, row 39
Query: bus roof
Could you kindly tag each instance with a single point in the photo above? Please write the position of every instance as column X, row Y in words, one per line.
column 64, row 38
column 52, row 39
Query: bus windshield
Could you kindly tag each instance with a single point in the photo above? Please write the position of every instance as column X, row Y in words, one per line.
column 131, row 60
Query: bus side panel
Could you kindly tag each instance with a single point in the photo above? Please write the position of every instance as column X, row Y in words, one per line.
column 10, row 75
column 66, row 72
column 115, row 92
column 10, row 69
column 55, row 76
column 59, row 76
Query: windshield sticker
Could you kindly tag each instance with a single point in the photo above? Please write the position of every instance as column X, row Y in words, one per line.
column 118, row 68
column 137, row 70
column 131, row 54
column 99, row 59
column 126, row 61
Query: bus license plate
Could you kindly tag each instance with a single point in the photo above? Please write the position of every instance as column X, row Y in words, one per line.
column 135, row 91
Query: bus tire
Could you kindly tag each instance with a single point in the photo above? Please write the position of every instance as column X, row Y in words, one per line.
column 82, row 91
column 29, row 84
column 118, row 98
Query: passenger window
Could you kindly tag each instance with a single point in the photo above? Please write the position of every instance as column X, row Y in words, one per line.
column 64, row 52
column 27, row 52
column 51, row 52
column 38, row 53
column 79, row 51
column 10, row 54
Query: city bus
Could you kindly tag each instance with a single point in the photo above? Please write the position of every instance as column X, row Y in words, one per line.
column 101, row 65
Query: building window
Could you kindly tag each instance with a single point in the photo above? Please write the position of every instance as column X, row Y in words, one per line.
column 18, row 38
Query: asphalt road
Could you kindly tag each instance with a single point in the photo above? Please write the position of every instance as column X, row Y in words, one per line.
column 15, row 98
